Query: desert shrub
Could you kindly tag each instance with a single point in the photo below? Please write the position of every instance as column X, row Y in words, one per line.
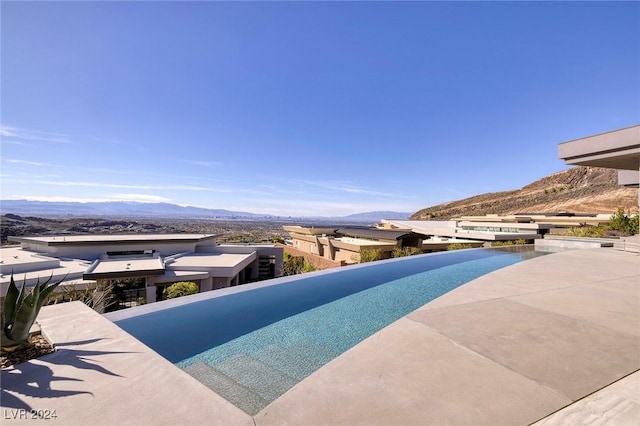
column 293, row 265
column 635, row 225
column 308, row 266
column 405, row 251
column 625, row 223
column 519, row 241
column 459, row 246
column 179, row 289
column 98, row 298
column 587, row 231
column 370, row 255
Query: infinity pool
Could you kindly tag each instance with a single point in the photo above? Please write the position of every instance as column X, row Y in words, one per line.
column 252, row 346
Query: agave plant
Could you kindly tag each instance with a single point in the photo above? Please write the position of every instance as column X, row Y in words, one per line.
column 21, row 310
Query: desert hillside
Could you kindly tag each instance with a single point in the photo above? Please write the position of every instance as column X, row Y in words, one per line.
column 577, row 190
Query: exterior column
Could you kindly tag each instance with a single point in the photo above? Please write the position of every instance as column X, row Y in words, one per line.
column 206, row 284
column 255, row 269
column 320, row 247
column 332, row 249
column 150, row 287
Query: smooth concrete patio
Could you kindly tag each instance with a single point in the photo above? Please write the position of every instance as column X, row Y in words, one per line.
column 101, row 375
column 554, row 340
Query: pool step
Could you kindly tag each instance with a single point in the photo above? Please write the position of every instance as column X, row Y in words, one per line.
column 239, row 395
column 298, row 360
column 264, row 380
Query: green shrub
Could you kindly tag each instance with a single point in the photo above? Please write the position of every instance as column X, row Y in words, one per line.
column 519, row 241
column 98, row 298
column 459, row 246
column 627, row 224
column 182, row 288
column 308, row 266
column 405, row 251
column 370, row 255
column 587, row 231
column 293, row 265
column 635, row 225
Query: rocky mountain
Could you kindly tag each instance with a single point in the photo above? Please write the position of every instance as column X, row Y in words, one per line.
column 117, row 209
column 576, row 190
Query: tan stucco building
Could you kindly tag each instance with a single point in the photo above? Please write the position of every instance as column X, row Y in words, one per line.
column 345, row 245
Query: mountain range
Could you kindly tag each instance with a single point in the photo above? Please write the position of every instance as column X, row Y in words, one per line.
column 156, row 210
column 576, row 190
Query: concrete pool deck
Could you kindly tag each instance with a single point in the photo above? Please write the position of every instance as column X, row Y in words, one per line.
column 554, row 340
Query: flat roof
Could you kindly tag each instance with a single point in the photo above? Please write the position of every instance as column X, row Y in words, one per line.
column 449, row 240
column 377, row 233
column 125, row 267
column 210, row 260
column 618, row 149
column 361, row 242
column 67, row 268
column 56, row 240
column 308, row 231
column 427, row 227
column 174, row 276
column 519, row 225
column 14, row 255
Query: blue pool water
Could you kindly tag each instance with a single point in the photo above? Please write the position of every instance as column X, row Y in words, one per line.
column 254, row 345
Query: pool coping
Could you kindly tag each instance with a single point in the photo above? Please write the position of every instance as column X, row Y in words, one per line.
column 98, row 366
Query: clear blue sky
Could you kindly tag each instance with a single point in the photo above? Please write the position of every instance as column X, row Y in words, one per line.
column 299, row 108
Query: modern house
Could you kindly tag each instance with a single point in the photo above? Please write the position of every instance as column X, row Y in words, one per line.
column 467, row 230
column 346, row 244
column 475, row 230
column 160, row 259
column 618, row 149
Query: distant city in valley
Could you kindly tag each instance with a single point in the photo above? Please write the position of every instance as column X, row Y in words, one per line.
column 238, row 230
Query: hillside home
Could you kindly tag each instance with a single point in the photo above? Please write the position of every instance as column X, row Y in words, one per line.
column 346, row 244
column 492, row 227
column 160, row 259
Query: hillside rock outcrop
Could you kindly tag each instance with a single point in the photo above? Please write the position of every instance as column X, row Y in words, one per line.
column 576, row 190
